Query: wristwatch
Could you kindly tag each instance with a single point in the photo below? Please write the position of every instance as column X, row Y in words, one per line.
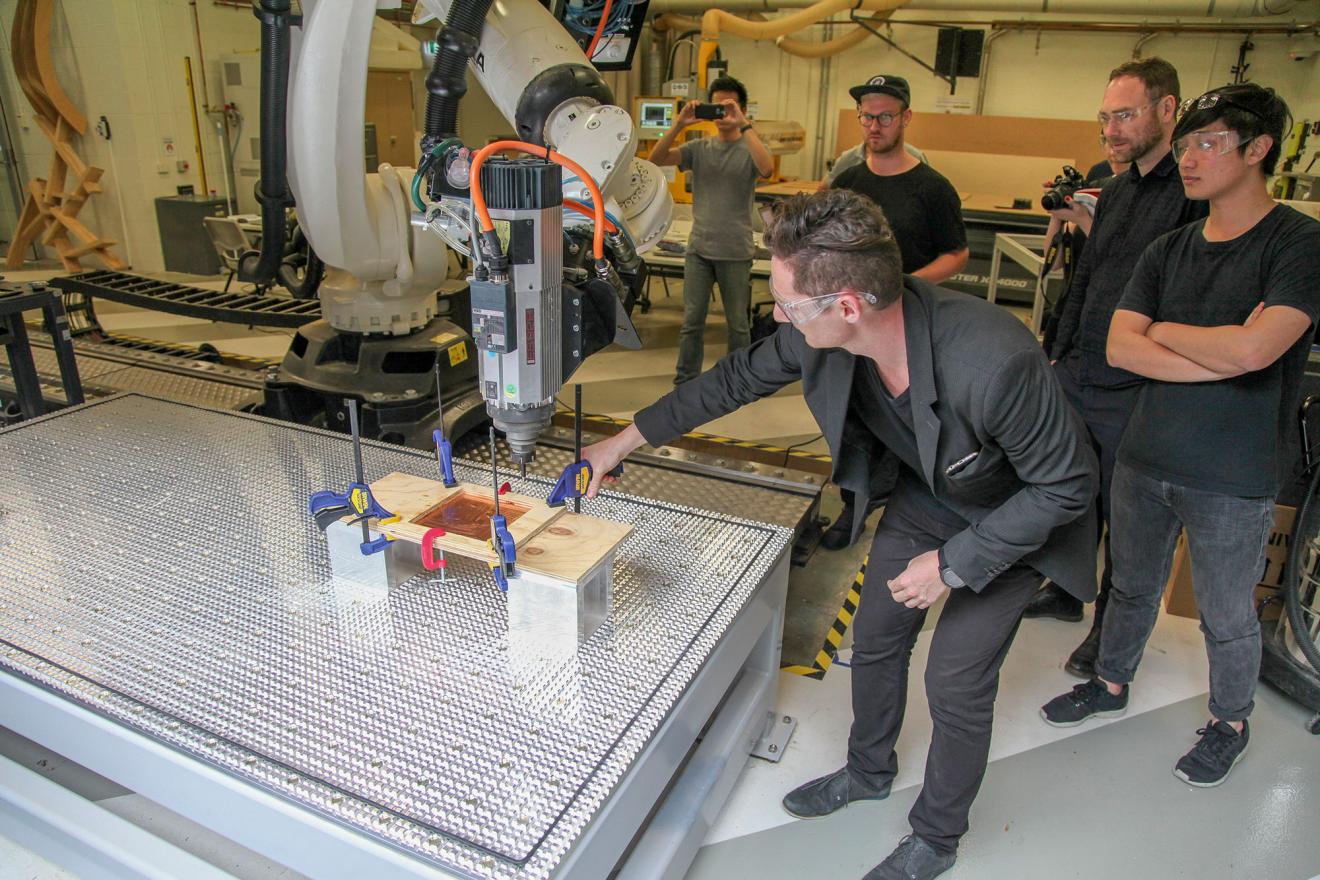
column 948, row 575
column 743, row 130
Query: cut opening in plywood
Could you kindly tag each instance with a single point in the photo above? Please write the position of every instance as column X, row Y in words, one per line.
column 468, row 515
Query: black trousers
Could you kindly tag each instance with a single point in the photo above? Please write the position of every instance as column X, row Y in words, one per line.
column 1106, row 412
column 968, row 647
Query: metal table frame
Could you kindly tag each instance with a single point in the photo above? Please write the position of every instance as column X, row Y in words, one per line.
column 14, row 301
column 1028, row 252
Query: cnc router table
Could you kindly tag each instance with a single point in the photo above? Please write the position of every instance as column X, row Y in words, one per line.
column 167, row 620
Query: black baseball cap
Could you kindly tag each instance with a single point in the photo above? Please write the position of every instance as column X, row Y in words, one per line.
column 883, row 85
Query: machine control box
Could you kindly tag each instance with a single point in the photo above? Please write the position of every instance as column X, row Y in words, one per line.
column 492, row 316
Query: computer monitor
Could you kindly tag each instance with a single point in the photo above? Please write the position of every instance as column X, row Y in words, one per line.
column 655, row 115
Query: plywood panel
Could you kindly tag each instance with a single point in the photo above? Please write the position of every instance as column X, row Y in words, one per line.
column 1000, row 135
column 1007, row 176
column 549, row 540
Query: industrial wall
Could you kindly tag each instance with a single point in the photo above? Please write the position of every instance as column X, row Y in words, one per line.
column 124, row 59
column 1042, row 74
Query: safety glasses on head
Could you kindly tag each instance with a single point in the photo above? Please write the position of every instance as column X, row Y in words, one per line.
column 1207, row 143
column 1211, row 100
column 800, row 311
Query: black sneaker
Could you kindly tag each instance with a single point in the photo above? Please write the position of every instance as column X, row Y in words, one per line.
column 1211, row 759
column 1052, row 600
column 823, row 796
column 912, row 859
column 1090, row 699
column 1081, row 662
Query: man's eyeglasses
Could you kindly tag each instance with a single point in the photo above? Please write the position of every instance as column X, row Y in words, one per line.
column 1123, row 117
column 1214, row 99
column 885, row 119
column 1206, row 143
column 800, row 311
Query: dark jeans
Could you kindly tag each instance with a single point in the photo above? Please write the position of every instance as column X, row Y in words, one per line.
column 1106, row 412
column 699, row 278
column 967, row 648
column 1226, row 537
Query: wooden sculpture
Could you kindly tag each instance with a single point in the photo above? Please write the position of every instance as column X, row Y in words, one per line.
column 50, row 211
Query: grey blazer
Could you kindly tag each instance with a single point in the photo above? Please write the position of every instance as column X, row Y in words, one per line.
column 980, row 384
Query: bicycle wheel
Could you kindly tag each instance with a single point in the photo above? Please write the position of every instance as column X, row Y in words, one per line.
column 1301, row 576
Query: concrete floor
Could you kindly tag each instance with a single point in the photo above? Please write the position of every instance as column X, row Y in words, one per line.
column 1097, row 801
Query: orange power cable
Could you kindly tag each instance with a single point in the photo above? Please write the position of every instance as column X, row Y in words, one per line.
column 600, row 29
column 590, row 212
column 479, row 200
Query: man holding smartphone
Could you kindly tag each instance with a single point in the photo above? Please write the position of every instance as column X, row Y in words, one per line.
column 724, row 171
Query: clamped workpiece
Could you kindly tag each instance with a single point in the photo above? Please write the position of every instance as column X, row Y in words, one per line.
column 327, row 506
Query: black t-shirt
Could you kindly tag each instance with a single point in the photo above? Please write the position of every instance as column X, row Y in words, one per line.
column 1223, row 436
column 922, row 208
column 890, row 419
column 1099, row 171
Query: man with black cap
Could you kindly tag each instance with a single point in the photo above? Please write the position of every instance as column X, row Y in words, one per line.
column 921, row 205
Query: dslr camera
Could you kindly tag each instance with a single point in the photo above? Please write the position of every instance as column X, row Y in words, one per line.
column 710, row 111
column 1063, row 186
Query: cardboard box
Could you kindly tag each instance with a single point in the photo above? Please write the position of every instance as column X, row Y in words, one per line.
column 1179, row 597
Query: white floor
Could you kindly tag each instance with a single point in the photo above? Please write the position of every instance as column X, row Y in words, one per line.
column 1174, row 669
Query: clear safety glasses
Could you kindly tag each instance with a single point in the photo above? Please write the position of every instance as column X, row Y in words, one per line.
column 1207, row 143
column 800, row 311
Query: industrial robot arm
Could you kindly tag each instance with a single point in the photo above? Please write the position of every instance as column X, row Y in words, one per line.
column 536, row 313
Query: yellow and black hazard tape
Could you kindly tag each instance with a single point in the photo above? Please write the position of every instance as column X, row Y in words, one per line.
column 830, row 649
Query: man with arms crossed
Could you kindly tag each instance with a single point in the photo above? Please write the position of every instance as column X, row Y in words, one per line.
column 1138, row 206
column 1219, row 317
column 997, row 484
column 724, row 171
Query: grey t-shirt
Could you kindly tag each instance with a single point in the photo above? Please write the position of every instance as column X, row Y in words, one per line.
column 723, row 189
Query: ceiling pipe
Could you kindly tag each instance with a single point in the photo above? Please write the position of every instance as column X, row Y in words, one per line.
column 717, row 21
column 1180, row 8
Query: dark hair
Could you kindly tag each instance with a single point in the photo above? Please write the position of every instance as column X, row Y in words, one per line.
column 1157, row 75
column 728, row 84
column 1246, row 108
column 836, row 240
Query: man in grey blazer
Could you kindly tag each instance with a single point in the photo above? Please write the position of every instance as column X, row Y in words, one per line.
column 997, row 488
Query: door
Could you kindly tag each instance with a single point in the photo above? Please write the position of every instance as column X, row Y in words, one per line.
column 390, row 109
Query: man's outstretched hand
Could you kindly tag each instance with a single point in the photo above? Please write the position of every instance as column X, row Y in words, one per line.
column 605, row 455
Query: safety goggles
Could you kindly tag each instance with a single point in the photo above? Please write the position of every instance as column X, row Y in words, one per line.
column 1123, row 117
column 800, row 311
column 885, row 119
column 1207, row 143
column 1211, row 100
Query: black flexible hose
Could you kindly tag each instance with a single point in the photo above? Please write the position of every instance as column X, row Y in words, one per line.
column 273, row 192
column 447, row 82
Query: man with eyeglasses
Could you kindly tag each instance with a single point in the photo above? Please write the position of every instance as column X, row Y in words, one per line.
column 1218, row 317
column 996, row 487
column 1136, row 207
column 923, row 210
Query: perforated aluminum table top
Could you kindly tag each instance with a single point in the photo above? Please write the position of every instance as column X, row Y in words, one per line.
column 160, row 568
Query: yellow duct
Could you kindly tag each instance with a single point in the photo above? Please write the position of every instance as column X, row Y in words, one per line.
column 716, row 21
column 808, row 49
